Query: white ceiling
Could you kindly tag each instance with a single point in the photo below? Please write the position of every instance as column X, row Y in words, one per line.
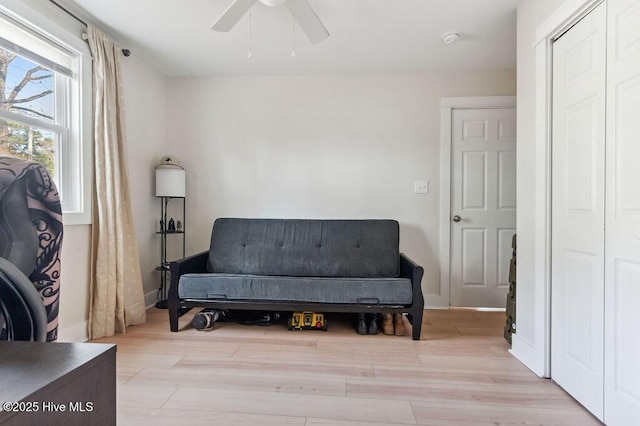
column 175, row 37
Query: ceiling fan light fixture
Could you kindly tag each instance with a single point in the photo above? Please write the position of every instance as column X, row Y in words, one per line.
column 302, row 12
column 450, row 37
column 273, row 3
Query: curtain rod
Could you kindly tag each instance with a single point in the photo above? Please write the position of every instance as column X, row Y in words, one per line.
column 125, row 52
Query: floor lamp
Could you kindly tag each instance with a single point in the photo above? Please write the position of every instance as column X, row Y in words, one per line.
column 170, row 184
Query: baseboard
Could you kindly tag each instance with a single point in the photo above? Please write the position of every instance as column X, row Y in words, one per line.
column 77, row 333
column 526, row 354
column 435, row 301
column 150, row 299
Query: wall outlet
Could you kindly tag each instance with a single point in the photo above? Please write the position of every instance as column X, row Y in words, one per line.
column 421, row 187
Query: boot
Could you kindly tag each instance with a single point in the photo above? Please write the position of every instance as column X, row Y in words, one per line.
column 387, row 324
column 373, row 325
column 361, row 328
column 398, row 325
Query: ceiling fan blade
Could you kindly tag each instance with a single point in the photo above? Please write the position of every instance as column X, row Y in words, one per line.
column 308, row 20
column 231, row 17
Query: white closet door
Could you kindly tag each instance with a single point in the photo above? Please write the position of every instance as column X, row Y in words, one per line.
column 622, row 268
column 578, row 160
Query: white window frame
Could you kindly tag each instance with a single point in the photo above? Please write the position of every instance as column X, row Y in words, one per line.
column 75, row 145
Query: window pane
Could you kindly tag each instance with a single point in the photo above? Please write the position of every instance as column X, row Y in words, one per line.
column 30, row 143
column 26, row 87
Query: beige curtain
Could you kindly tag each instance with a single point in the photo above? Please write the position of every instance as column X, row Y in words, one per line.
column 117, row 298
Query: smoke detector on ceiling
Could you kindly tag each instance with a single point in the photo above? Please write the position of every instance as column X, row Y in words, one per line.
column 450, row 37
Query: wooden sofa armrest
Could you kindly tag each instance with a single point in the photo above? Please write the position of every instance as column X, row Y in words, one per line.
column 410, row 269
column 192, row 264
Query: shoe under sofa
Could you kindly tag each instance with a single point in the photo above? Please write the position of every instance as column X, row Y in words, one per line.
column 300, row 265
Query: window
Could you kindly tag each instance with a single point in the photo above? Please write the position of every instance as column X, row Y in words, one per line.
column 30, row 126
column 42, row 99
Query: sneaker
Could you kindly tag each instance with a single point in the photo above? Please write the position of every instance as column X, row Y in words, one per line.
column 398, row 325
column 361, row 327
column 387, row 324
column 373, row 325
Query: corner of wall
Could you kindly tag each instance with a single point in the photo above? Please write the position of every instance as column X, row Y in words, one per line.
column 76, row 333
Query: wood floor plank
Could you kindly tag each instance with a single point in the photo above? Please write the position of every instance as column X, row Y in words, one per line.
column 232, row 379
column 460, row 373
column 466, row 362
column 543, row 392
column 420, row 375
column 480, row 331
column 128, row 416
column 124, row 373
column 145, row 359
column 329, row 422
column 485, row 414
column 275, row 365
column 328, row 358
column 175, row 347
column 143, row 396
column 295, row 405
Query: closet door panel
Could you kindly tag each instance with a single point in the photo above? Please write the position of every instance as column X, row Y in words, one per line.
column 577, row 241
column 622, row 267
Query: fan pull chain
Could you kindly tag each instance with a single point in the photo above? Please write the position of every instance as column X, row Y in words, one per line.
column 293, row 29
column 249, row 52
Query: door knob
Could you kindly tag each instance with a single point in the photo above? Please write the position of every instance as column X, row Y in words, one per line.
column 457, row 218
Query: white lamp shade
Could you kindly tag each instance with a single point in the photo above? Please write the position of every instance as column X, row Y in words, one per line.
column 170, row 181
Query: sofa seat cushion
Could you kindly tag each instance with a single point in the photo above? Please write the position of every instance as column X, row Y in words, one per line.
column 213, row 286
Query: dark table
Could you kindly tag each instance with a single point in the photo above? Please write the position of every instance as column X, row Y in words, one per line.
column 57, row 383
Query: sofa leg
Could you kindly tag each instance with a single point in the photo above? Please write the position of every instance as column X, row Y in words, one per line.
column 173, row 318
column 416, row 324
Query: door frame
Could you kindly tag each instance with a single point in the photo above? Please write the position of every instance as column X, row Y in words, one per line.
column 536, row 354
column 447, row 106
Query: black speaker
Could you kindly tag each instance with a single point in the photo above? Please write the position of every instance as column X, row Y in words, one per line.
column 205, row 319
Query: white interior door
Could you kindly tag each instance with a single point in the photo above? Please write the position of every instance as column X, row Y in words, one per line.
column 622, row 268
column 483, row 197
column 577, row 241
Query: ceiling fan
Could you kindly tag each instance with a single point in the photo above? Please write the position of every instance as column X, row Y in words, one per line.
column 300, row 9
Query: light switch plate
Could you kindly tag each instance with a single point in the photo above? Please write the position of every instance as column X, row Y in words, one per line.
column 421, row 187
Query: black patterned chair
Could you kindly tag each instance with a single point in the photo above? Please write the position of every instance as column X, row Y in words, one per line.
column 30, row 242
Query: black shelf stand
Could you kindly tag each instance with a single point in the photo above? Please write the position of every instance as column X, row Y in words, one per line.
column 163, row 268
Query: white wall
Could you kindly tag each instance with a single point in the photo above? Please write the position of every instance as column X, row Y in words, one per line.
column 145, row 103
column 74, row 283
column 528, row 344
column 339, row 146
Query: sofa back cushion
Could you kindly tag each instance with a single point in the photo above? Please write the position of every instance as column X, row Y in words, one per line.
column 305, row 248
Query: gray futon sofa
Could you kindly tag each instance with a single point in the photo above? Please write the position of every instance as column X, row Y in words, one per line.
column 300, row 265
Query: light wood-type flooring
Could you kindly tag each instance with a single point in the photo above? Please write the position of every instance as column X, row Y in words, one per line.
column 460, row 373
